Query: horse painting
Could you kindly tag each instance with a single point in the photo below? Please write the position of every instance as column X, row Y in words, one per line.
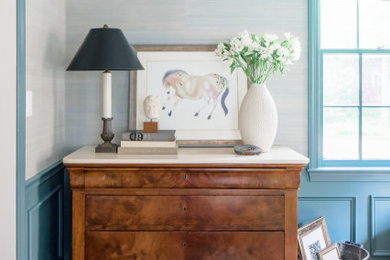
column 207, row 87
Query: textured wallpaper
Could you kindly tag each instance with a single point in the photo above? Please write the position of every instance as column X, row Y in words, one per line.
column 181, row 22
column 45, row 78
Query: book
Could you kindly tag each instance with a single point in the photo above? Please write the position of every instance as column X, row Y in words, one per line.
column 147, row 150
column 139, row 135
column 151, row 144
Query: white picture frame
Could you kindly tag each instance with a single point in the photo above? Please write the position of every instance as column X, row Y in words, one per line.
column 196, row 61
column 330, row 253
column 312, row 239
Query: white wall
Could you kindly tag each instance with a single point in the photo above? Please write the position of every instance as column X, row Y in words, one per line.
column 8, row 130
column 45, row 77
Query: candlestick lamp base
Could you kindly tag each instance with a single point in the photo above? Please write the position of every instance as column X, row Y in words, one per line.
column 107, row 136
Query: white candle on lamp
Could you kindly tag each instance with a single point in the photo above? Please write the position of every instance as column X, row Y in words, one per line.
column 107, row 95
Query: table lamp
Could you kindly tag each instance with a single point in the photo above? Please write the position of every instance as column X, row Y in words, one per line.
column 105, row 49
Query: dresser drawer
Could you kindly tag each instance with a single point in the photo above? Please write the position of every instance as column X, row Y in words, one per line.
column 236, row 212
column 235, row 246
column 184, row 245
column 135, row 178
column 134, row 245
column 104, row 212
column 261, row 178
column 133, row 212
column 269, row 178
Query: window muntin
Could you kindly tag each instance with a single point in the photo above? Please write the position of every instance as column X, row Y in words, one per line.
column 354, row 66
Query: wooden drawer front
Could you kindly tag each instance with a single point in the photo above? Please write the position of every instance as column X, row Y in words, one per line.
column 182, row 245
column 100, row 245
column 235, row 246
column 189, row 178
column 117, row 212
column 184, row 212
column 243, row 178
column 236, row 212
column 135, row 178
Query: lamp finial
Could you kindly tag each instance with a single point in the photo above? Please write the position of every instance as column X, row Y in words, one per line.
column 105, row 26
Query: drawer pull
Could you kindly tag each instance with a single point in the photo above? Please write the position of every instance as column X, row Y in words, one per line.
column 185, row 176
column 184, row 208
column 184, row 244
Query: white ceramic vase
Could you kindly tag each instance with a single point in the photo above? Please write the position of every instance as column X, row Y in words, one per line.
column 258, row 117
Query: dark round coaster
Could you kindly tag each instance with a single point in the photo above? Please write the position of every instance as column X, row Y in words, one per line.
column 247, row 150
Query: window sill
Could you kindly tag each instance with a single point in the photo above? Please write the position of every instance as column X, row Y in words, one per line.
column 350, row 174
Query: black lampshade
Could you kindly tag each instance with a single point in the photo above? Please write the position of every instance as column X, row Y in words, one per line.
column 105, row 49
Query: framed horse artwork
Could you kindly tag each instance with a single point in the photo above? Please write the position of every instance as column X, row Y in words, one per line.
column 200, row 97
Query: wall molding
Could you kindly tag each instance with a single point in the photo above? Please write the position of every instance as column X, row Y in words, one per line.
column 373, row 250
column 20, row 129
column 44, row 175
column 351, row 200
column 45, row 199
column 348, row 174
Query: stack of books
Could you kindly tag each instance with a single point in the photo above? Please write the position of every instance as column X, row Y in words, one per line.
column 138, row 142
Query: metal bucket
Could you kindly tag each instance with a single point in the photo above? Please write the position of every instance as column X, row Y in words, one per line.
column 351, row 251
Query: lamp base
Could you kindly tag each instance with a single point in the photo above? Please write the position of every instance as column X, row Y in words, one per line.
column 106, row 148
column 107, row 136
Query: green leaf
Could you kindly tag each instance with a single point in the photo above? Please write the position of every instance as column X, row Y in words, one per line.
column 253, row 36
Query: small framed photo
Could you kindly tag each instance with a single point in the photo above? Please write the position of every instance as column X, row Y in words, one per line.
column 330, row 253
column 313, row 238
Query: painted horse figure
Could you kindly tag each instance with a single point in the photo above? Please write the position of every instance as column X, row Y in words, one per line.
column 207, row 87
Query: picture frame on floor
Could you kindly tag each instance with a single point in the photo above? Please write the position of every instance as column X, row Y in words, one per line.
column 312, row 239
column 330, row 253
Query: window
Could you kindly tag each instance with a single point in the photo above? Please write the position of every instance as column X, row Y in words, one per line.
column 349, row 68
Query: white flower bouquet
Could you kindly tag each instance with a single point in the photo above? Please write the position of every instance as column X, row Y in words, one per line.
column 259, row 56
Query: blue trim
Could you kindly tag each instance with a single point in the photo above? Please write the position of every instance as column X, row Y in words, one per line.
column 67, row 214
column 314, row 71
column 45, row 174
column 21, row 253
column 360, row 106
column 38, row 182
column 57, row 189
column 334, row 170
column 373, row 251
column 355, row 51
column 45, row 199
column 357, row 163
column 350, row 174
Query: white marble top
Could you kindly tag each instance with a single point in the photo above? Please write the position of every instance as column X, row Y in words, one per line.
column 277, row 155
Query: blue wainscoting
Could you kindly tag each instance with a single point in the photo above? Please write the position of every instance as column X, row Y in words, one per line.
column 339, row 213
column 354, row 211
column 380, row 226
column 351, row 211
column 45, row 214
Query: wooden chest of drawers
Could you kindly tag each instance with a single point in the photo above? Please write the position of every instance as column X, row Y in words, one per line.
column 183, row 210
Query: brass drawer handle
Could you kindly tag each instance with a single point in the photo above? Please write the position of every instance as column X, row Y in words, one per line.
column 185, row 176
column 184, row 244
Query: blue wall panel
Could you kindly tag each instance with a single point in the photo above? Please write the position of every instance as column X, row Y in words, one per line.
column 339, row 213
column 380, row 226
column 45, row 214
